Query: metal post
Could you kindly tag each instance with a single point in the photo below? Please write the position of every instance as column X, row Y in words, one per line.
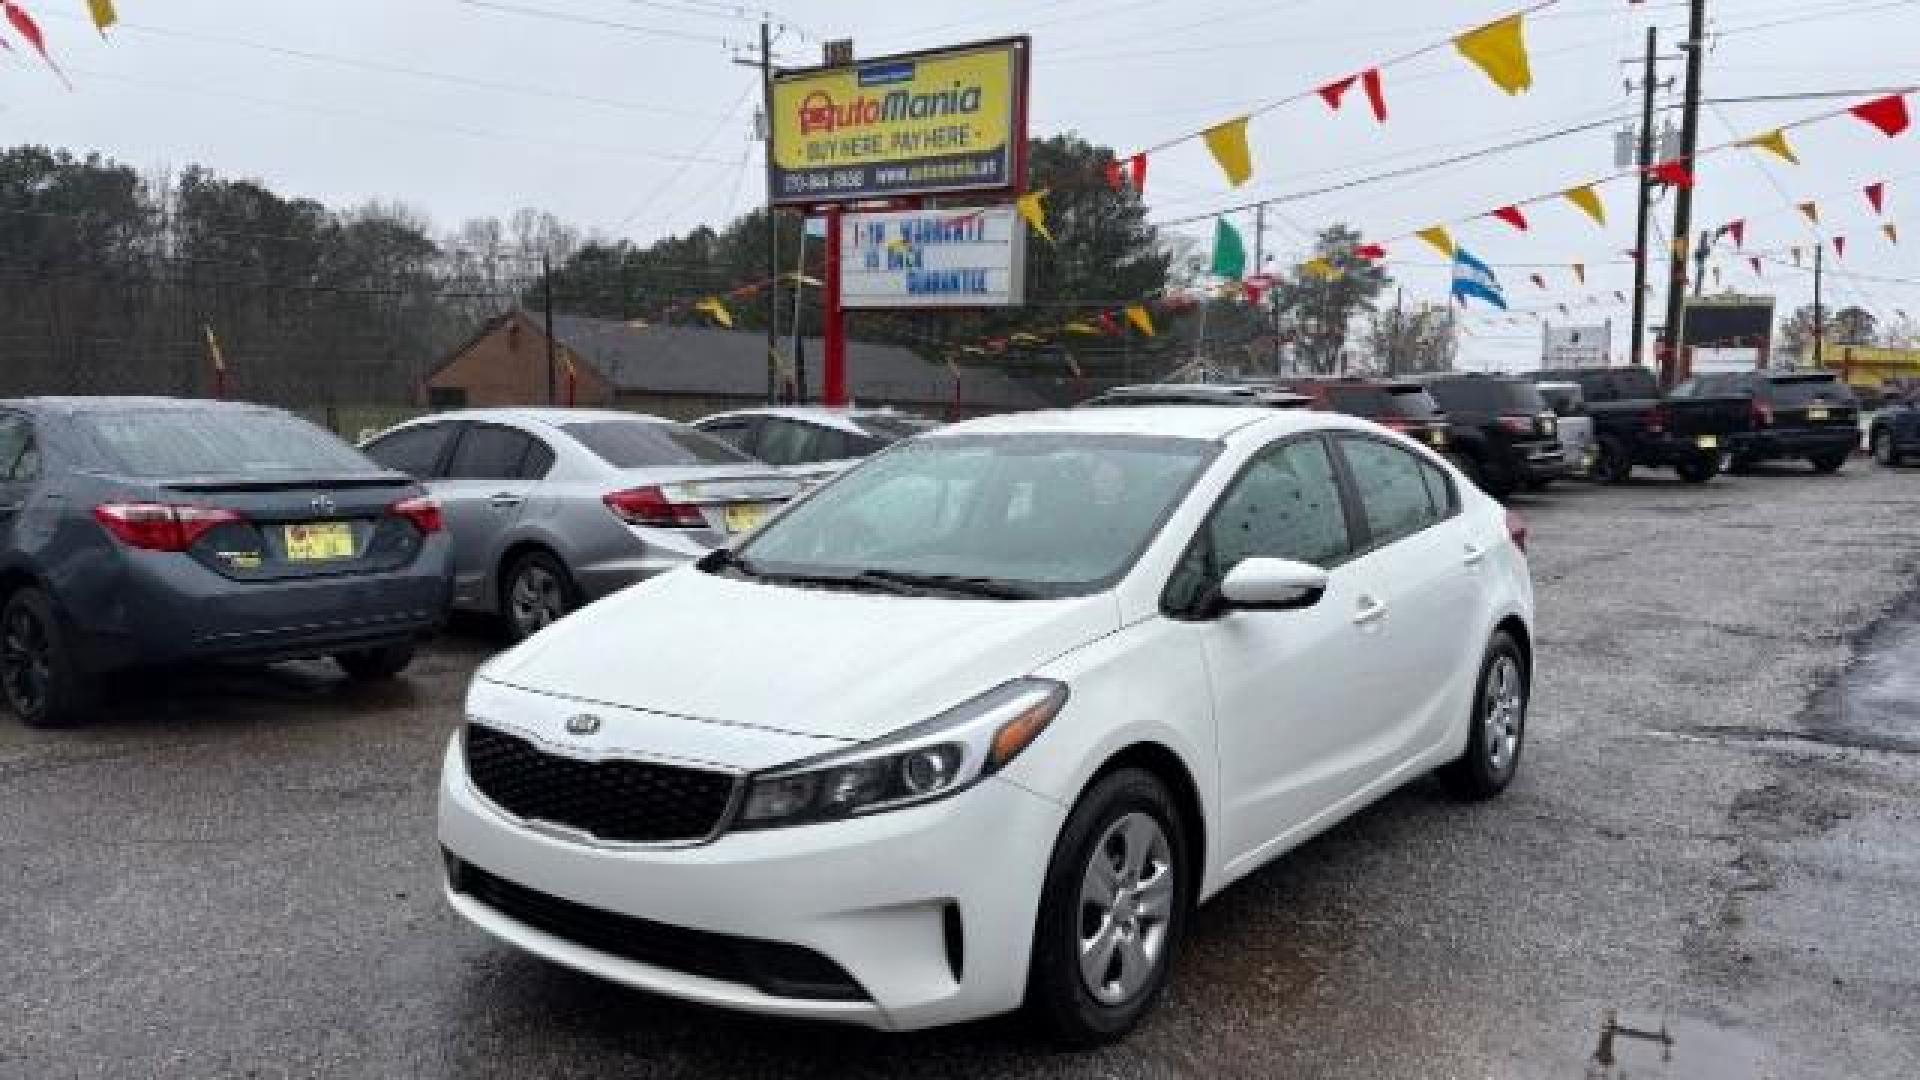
column 1819, row 313
column 1646, row 190
column 833, row 388
column 773, row 224
column 1674, row 361
column 546, row 291
column 1700, row 256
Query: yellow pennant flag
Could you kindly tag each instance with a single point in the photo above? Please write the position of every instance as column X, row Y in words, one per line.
column 1137, row 315
column 1774, row 142
column 1034, row 212
column 103, row 14
column 1228, row 142
column 1320, row 268
column 712, row 306
column 1439, row 238
column 1892, row 231
column 1812, row 210
column 1588, row 199
column 1580, row 273
column 1500, row 50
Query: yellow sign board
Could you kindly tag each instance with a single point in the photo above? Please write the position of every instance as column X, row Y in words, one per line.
column 906, row 125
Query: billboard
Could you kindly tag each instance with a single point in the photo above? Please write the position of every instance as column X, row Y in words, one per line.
column 1729, row 321
column 949, row 120
column 1577, row 346
column 958, row 258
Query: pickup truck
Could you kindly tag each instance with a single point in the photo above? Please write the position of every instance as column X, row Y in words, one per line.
column 1500, row 431
column 1635, row 425
column 1811, row 415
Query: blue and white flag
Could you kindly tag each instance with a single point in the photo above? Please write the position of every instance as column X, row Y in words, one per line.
column 1471, row 277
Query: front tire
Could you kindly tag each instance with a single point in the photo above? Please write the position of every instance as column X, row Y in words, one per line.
column 374, row 665
column 1113, row 911
column 38, row 676
column 536, row 592
column 1697, row 470
column 1614, row 465
column 1497, row 731
column 1828, row 462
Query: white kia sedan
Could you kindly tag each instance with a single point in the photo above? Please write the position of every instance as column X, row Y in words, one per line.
column 983, row 721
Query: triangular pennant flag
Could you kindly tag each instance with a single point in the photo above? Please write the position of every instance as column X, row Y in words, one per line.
column 1137, row 315
column 1755, row 260
column 1439, row 238
column 1138, row 163
column 1775, row 142
column 1540, row 280
column 1371, row 252
column 1893, row 233
column 1033, row 211
column 1320, row 268
column 1889, row 114
column 27, row 28
column 1115, row 178
column 1588, row 200
column 1335, row 90
column 1580, row 273
column 1672, row 172
column 1229, row 251
column 1840, row 247
column 713, row 306
column 1876, row 197
column 1500, row 50
column 103, row 14
column 1228, row 142
column 1812, row 210
column 1737, row 230
column 1376, row 94
column 1512, row 216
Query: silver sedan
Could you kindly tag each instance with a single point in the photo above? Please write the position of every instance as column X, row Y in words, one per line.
column 550, row 509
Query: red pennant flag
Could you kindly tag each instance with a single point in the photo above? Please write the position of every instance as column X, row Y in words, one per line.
column 1133, row 170
column 1108, row 323
column 1115, row 179
column 1889, row 114
column 1335, row 90
column 1540, row 281
column 1376, row 96
column 1737, row 230
column 27, row 28
column 1371, row 252
column 1512, row 216
column 1877, row 197
column 1672, row 172
column 1139, row 163
column 1755, row 260
column 1840, row 247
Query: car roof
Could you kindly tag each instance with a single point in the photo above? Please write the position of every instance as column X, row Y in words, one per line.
column 843, row 419
column 546, row 417
column 1239, row 393
column 1210, row 422
column 77, row 404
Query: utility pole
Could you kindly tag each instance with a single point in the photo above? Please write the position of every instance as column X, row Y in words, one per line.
column 546, row 302
column 773, row 223
column 1673, row 363
column 1646, row 193
column 1819, row 313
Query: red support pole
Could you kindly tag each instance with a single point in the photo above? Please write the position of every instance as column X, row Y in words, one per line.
column 833, row 389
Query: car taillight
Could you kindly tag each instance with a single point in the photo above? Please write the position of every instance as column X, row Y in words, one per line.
column 161, row 526
column 1517, row 425
column 1517, row 530
column 1762, row 414
column 650, row 506
column 422, row 511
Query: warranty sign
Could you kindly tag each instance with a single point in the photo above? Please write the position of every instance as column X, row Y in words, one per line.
column 945, row 121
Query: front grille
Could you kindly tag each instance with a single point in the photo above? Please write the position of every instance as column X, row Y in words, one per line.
column 617, row 800
column 773, row 967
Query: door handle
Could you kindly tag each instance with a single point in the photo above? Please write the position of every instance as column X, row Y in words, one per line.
column 1473, row 555
column 1371, row 611
column 506, row 500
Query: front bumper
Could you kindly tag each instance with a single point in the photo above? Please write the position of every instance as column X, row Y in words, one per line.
column 1797, row 442
column 872, row 895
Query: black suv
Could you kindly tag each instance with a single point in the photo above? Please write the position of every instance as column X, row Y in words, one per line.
column 1501, row 431
column 1811, row 415
column 1406, row 407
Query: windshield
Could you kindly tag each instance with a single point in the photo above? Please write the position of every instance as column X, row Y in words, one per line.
column 211, row 442
column 1804, row 390
column 1048, row 513
column 642, row 444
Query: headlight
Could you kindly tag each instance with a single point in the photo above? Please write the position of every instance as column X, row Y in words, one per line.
column 931, row 760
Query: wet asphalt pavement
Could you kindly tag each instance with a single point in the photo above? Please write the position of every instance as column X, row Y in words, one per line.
column 1715, row 835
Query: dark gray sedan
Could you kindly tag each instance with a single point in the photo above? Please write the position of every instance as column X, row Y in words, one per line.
column 139, row 532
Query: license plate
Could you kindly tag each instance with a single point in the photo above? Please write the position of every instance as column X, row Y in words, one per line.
column 1817, row 413
column 1438, row 438
column 319, row 541
column 1707, row 442
column 746, row 518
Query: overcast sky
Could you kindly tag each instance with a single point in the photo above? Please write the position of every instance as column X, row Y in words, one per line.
column 461, row 109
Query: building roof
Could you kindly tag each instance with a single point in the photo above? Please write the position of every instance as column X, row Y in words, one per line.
column 708, row 360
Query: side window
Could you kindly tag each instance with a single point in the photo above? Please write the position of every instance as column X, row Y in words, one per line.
column 785, row 442
column 489, row 452
column 414, row 451
column 737, row 433
column 1440, row 489
column 1394, row 494
column 1286, row 505
column 539, row 459
column 19, row 461
column 831, row 445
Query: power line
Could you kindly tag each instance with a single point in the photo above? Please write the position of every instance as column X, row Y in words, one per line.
column 605, row 24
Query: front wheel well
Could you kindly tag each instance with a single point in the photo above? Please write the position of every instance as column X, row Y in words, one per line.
column 1164, row 764
column 513, row 554
column 1516, row 629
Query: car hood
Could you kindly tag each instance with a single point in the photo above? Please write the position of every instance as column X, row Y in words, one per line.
column 841, row 665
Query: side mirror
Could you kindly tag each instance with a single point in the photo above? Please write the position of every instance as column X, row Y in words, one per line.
column 1273, row 585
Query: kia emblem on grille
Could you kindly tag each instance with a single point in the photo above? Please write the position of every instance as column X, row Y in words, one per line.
column 583, row 724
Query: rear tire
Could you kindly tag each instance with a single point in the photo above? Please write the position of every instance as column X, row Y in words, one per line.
column 1828, row 462
column 1613, row 465
column 1497, row 730
column 1697, row 470
column 535, row 593
column 38, row 675
column 1883, row 449
column 1112, row 912
column 374, row 665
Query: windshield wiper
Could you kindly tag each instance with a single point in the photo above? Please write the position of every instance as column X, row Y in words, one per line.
column 992, row 588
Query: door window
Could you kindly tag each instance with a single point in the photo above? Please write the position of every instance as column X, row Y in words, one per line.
column 1395, row 495
column 787, row 442
column 1286, row 505
column 414, row 451
column 489, row 452
column 19, row 461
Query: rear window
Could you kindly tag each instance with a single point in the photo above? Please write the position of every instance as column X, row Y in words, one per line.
column 892, row 429
column 190, row 442
column 1803, row 390
column 1488, row 395
column 1368, row 401
column 638, row 444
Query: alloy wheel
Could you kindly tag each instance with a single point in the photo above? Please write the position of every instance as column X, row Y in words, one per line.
column 538, row 599
column 1126, row 906
column 25, row 662
column 1503, row 712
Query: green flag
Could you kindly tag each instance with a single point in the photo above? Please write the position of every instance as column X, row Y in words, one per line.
column 1229, row 254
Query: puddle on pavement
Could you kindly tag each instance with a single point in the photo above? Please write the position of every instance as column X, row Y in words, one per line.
column 1645, row 1045
column 1877, row 702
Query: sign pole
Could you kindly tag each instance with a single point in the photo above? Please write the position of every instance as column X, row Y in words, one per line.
column 833, row 389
